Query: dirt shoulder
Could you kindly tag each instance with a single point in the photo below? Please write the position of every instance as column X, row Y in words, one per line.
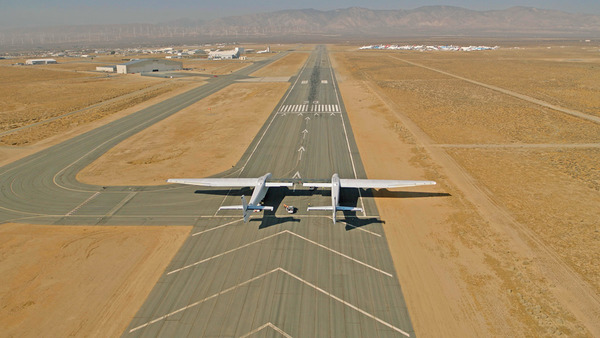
column 467, row 266
column 286, row 66
column 60, row 281
column 199, row 141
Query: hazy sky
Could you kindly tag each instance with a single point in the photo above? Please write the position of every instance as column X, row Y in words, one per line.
column 15, row 13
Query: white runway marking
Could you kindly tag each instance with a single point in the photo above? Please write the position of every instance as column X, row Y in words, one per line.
column 346, row 303
column 274, row 235
column 304, row 108
column 82, row 204
column 304, row 82
column 341, row 254
column 324, row 81
column 224, row 253
column 358, row 228
column 201, row 301
column 217, row 227
column 280, row 331
column 121, row 204
column 329, row 294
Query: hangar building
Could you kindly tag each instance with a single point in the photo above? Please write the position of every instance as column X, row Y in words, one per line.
column 148, row 65
column 108, row 69
column 226, row 54
column 40, row 61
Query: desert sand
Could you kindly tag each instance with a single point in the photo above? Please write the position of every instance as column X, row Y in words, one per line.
column 61, row 281
column 505, row 252
column 199, row 141
column 287, row 66
column 505, row 243
column 85, row 123
column 32, row 94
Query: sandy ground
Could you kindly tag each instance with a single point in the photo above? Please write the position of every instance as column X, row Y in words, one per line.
column 565, row 76
column 289, row 65
column 480, row 254
column 61, row 281
column 199, row 141
column 9, row 154
column 31, row 94
column 504, row 253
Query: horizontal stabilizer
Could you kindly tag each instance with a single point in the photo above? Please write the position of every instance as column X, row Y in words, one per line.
column 260, row 207
column 250, row 207
column 232, row 207
column 327, row 207
column 318, row 185
column 278, row 184
column 340, row 208
column 337, row 208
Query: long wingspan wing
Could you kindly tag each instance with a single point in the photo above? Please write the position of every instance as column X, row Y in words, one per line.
column 216, row 182
column 380, row 184
column 227, row 182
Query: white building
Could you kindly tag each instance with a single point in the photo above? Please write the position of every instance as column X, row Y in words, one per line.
column 108, row 69
column 226, row 54
column 148, row 65
column 40, row 61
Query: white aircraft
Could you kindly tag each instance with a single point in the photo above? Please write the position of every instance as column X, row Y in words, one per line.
column 260, row 184
column 337, row 183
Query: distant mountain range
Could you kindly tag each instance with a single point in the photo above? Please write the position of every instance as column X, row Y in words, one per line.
column 300, row 25
column 428, row 20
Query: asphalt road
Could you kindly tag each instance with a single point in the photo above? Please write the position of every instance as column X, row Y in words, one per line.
column 293, row 275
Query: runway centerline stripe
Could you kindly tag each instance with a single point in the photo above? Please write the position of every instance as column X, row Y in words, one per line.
column 272, row 119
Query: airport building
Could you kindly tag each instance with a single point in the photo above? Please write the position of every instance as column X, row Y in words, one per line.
column 108, row 69
column 40, row 61
column 226, row 54
column 148, row 65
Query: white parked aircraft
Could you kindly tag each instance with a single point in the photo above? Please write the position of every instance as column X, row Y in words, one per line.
column 337, row 183
column 261, row 186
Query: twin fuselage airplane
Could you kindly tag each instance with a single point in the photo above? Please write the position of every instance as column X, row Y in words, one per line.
column 262, row 184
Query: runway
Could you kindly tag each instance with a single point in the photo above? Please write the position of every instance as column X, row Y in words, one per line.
column 280, row 274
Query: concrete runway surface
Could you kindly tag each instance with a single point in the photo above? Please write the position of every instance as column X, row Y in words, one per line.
column 280, row 274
